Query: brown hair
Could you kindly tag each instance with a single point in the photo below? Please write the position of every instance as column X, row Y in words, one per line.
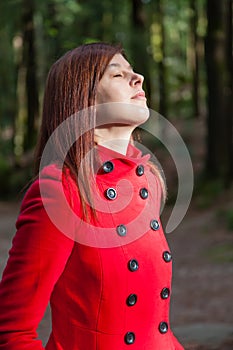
column 71, row 90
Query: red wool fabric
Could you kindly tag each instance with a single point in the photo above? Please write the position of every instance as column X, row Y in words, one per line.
column 105, row 295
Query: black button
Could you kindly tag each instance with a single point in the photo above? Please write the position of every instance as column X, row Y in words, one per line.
column 163, row 327
column 143, row 193
column 165, row 293
column 154, row 224
column 108, row 167
column 121, row 230
column 133, row 265
column 111, row 193
column 140, row 170
column 129, row 338
column 131, row 300
column 167, row 256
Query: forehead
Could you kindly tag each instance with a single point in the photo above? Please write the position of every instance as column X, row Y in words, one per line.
column 118, row 61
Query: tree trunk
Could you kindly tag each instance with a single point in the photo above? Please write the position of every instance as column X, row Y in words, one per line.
column 8, row 97
column 219, row 161
column 140, row 43
column 195, row 57
column 29, row 63
column 162, row 68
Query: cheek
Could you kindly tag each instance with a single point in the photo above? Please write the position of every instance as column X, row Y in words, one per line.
column 112, row 94
column 103, row 96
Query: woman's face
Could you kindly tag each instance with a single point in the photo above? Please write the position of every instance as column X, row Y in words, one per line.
column 121, row 84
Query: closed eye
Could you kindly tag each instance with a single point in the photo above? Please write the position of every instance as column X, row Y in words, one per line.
column 117, row 75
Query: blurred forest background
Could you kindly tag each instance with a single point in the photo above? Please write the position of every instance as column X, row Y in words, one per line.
column 182, row 47
column 184, row 50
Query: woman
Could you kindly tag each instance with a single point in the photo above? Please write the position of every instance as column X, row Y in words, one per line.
column 89, row 239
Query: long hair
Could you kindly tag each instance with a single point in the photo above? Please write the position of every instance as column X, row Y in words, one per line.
column 70, row 90
column 70, row 95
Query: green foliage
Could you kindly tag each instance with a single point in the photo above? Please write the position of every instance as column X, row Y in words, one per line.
column 13, row 179
column 207, row 192
column 225, row 216
column 61, row 25
column 5, row 172
column 4, row 167
column 229, row 218
column 222, row 253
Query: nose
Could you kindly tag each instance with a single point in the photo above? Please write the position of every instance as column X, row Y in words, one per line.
column 137, row 79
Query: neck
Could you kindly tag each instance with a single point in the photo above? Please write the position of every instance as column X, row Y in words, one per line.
column 115, row 138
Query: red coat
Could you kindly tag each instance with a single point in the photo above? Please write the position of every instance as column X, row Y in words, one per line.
column 112, row 294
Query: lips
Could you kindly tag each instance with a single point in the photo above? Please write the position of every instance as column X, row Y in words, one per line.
column 139, row 94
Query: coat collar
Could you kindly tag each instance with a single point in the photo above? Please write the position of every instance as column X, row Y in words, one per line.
column 133, row 156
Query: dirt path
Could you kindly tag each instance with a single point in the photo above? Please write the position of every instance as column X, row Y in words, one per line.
column 202, row 308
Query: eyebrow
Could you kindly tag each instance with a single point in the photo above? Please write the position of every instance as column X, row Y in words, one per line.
column 117, row 65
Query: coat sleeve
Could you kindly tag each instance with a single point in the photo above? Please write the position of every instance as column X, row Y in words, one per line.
column 36, row 260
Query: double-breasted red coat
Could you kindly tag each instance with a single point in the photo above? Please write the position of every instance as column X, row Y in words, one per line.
column 108, row 279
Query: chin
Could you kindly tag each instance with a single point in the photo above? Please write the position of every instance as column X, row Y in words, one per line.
column 143, row 115
column 123, row 113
